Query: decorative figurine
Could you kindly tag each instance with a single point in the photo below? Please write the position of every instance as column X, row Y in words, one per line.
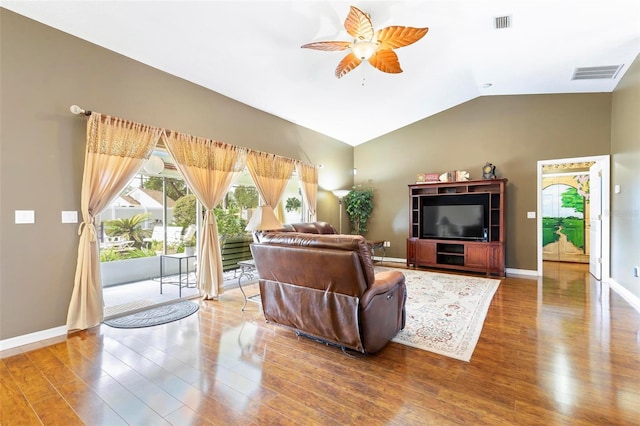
column 488, row 171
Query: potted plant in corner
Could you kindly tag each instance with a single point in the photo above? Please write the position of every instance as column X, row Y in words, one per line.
column 359, row 206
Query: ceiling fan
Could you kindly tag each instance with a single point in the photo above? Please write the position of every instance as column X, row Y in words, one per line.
column 376, row 47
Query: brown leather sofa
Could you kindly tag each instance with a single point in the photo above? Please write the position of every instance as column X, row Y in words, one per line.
column 324, row 286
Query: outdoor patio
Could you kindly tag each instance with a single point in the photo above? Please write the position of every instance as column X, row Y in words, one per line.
column 131, row 297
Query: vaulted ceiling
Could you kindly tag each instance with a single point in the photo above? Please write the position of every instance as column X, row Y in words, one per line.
column 250, row 51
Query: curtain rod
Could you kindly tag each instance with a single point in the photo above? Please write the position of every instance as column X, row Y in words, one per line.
column 75, row 109
column 80, row 111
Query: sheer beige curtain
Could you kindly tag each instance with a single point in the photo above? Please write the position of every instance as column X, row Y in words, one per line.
column 209, row 168
column 308, row 178
column 270, row 173
column 116, row 149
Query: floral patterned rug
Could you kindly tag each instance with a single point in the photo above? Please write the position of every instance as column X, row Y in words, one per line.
column 445, row 312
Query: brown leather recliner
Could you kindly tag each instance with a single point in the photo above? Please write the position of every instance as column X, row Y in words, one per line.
column 311, row 228
column 324, row 286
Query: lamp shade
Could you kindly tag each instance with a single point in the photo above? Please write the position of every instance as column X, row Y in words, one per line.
column 340, row 193
column 263, row 219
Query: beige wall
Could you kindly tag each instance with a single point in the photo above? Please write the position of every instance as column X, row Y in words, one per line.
column 625, row 166
column 512, row 132
column 43, row 72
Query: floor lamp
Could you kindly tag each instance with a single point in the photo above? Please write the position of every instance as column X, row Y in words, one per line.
column 340, row 193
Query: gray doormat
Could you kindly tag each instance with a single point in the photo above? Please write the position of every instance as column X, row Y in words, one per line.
column 155, row 316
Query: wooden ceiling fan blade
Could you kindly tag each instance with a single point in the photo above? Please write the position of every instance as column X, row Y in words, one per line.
column 358, row 25
column 347, row 64
column 396, row 36
column 386, row 61
column 327, row 45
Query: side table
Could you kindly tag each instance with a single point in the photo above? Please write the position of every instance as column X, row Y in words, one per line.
column 375, row 245
column 180, row 258
column 248, row 269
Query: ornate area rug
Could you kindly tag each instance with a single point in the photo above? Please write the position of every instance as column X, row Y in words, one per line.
column 445, row 313
column 155, row 316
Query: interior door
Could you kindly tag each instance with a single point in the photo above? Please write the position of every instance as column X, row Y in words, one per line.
column 549, row 211
column 595, row 221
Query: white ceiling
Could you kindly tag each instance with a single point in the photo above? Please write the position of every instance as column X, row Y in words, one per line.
column 250, row 51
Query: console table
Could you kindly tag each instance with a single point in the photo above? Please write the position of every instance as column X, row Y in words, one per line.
column 180, row 258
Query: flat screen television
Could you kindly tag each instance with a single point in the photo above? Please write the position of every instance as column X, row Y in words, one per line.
column 454, row 221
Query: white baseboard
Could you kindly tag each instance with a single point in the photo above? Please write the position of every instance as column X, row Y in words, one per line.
column 513, row 271
column 27, row 339
column 631, row 298
column 389, row 259
column 508, row 271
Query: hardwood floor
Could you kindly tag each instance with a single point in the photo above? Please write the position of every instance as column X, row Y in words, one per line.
column 555, row 350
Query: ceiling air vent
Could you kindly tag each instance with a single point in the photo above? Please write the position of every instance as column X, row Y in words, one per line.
column 595, row 73
column 501, row 22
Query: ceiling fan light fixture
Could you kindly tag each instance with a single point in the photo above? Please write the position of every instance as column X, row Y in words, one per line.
column 369, row 45
column 363, row 50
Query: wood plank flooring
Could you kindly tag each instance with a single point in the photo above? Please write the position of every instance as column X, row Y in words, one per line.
column 554, row 350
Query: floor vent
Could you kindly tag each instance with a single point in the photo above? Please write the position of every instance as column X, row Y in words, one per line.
column 501, row 22
column 595, row 73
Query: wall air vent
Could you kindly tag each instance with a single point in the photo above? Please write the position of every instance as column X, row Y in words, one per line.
column 594, row 73
column 501, row 22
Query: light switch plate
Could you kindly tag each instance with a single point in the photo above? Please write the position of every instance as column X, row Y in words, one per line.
column 531, row 215
column 25, row 217
column 69, row 216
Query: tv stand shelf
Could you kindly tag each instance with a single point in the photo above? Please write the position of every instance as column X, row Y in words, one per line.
column 484, row 254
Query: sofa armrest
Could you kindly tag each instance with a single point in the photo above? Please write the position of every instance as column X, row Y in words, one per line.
column 384, row 281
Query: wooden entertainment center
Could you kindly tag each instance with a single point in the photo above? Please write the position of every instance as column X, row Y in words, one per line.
column 477, row 248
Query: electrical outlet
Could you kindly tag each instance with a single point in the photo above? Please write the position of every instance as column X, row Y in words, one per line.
column 387, row 243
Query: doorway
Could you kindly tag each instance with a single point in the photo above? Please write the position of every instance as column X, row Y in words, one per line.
column 580, row 233
column 145, row 236
column 566, row 202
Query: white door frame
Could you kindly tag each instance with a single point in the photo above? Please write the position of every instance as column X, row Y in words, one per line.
column 604, row 161
column 595, row 221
